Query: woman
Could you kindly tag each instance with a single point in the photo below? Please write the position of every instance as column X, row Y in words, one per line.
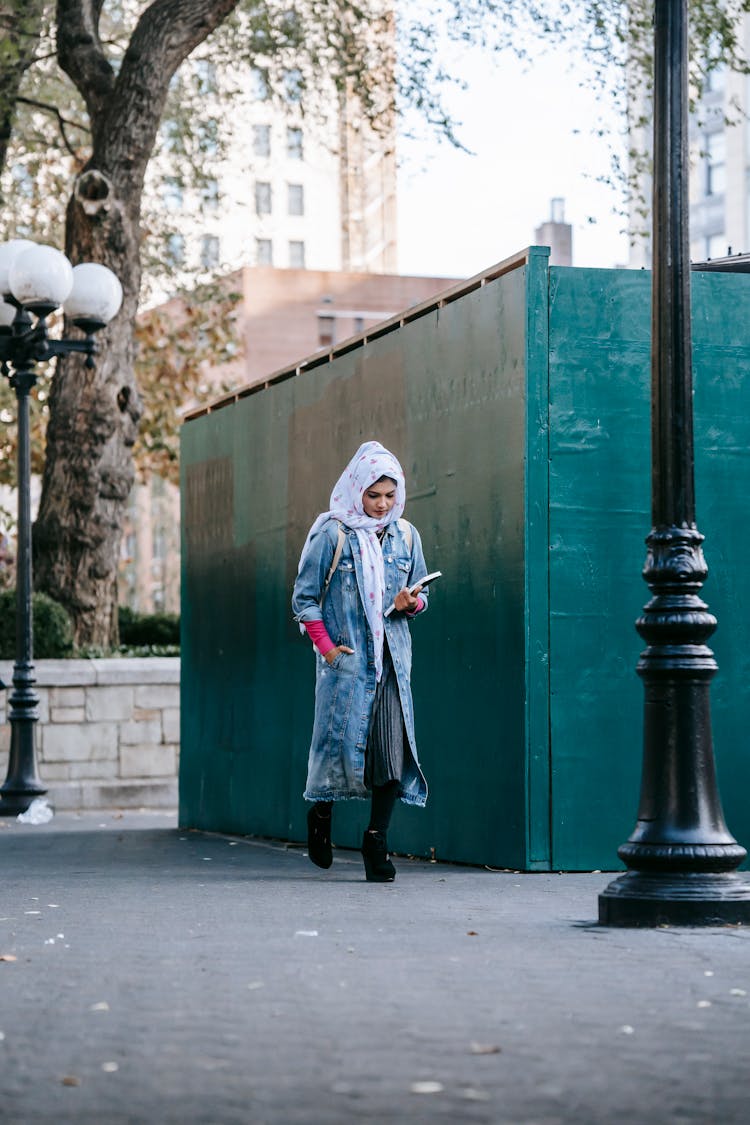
column 360, row 558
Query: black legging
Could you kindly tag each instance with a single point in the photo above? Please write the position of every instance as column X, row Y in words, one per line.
column 383, row 800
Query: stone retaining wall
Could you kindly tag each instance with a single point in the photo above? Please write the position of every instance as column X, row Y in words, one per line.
column 108, row 732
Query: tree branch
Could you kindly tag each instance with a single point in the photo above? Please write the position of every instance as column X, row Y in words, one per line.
column 167, row 32
column 20, row 46
column 80, row 53
column 61, row 121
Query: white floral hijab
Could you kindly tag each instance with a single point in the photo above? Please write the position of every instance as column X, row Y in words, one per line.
column 371, row 462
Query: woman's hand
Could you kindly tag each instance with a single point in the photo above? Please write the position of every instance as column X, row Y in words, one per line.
column 405, row 601
column 332, row 653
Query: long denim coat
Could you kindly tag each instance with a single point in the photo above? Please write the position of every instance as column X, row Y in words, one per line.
column 345, row 690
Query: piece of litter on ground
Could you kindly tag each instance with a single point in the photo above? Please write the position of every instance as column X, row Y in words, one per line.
column 708, row 972
column 102, row 1006
column 255, row 984
column 110, row 1067
column 426, row 1087
column 2, row 1036
column 626, row 1029
column 473, row 1095
column 207, row 858
column 70, row 1080
column 32, row 912
column 61, row 936
column 49, row 941
column 703, row 1004
column 39, row 812
column 484, row 1048
column 8, row 957
column 472, row 933
column 737, row 992
column 233, row 843
column 53, row 905
column 305, row 933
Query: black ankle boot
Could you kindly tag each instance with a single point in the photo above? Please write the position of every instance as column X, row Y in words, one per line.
column 378, row 867
column 319, row 837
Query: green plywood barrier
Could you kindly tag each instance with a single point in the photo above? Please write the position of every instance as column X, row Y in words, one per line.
column 519, row 408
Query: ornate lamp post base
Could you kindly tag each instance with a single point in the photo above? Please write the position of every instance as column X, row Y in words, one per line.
column 22, row 785
column 641, row 898
column 682, row 857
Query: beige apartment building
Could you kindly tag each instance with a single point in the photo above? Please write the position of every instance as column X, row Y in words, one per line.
column 277, row 187
column 719, row 170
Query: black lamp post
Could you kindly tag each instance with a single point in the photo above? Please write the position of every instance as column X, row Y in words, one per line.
column 35, row 280
column 681, row 856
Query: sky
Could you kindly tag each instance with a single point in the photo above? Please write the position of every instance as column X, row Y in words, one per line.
column 529, row 127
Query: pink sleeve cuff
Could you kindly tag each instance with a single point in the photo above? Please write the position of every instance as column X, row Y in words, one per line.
column 420, row 607
column 318, row 634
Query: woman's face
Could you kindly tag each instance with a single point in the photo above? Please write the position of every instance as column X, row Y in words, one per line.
column 379, row 498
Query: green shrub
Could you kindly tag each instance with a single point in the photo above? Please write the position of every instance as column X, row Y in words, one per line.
column 148, row 628
column 53, row 629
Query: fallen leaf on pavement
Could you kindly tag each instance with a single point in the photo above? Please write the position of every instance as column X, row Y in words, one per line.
column 472, row 933
column 70, row 1080
column 484, row 1048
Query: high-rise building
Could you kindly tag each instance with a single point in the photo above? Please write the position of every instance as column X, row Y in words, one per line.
column 275, row 186
column 719, row 170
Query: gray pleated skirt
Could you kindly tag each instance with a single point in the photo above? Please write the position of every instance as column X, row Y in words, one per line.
column 387, row 743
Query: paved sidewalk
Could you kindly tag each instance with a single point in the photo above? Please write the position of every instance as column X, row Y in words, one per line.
column 164, row 976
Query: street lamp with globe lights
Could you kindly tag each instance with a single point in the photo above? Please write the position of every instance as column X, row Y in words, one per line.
column 34, row 281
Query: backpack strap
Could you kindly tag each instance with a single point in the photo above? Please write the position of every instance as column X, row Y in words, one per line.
column 405, row 528
column 336, row 556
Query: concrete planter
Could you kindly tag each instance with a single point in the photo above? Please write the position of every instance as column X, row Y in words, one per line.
column 108, row 732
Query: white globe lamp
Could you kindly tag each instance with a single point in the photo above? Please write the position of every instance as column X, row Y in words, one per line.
column 95, row 298
column 9, row 251
column 40, row 279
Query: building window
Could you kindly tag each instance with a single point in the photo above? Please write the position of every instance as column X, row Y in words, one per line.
column 172, row 135
column 326, row 331
column 209, row 251
column 716, row 79
column 293, row 85
column 297, row 255
column 262, row 198
column 23, row 181
column 205, row 76
column 210, row 195
column 259, row 87
column 294, row 144
column 296, row 199
column 262, row 140
column 716, row 245
column 715, row 163
column 175, row 250
column 171, row 193
column 207, row 135
column 264, row 251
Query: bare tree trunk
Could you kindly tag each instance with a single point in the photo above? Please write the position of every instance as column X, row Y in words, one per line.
column 94, row 414
column 93, row 424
